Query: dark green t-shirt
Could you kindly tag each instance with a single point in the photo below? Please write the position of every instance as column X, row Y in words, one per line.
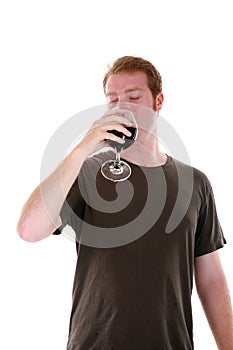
column 136, row 244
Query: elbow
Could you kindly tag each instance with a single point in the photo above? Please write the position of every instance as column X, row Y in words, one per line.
column 30, row 232
column 26, row 233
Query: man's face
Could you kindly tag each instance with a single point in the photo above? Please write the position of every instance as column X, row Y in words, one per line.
column 130, row 87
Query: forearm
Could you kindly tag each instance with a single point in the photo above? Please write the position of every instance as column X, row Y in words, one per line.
column 216, row 302
column 40, row 214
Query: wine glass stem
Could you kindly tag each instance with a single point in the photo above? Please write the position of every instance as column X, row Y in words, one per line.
column 118, row 157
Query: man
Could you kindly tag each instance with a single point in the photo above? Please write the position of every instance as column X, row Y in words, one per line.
column 135, row 295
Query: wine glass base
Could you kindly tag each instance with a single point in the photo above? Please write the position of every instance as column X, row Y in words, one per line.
column 116, row 171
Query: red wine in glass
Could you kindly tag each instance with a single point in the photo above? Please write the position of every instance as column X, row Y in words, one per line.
column 128, row 139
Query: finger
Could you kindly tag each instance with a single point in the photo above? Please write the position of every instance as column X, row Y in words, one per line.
column 113, row 137
column 116, row 127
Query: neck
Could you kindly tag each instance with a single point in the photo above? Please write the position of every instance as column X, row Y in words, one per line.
column 145, row 152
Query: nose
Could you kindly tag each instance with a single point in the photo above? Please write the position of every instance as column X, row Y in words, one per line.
column 124, row 106
column 122, row 99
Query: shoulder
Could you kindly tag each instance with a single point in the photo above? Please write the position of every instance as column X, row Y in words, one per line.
column 201, row 180
column 92, row 164
column 98, row 158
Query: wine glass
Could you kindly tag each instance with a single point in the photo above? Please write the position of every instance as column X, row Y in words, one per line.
column 118, row 170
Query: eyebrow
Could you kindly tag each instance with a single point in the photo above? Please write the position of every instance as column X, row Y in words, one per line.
column 127, row 90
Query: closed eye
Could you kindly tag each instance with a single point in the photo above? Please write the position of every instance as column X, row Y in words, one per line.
column 134, row 98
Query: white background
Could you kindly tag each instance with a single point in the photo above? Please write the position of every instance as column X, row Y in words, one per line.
column 53, row 57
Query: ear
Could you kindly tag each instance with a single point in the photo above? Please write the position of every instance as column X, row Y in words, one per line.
column 159, row 101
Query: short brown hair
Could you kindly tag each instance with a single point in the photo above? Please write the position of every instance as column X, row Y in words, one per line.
column 127, row 64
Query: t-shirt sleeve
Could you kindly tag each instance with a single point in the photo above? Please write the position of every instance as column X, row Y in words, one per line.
column 209, row 235
column 72, row 210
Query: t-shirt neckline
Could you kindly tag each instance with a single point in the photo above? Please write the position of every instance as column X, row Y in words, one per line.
column 166, row 165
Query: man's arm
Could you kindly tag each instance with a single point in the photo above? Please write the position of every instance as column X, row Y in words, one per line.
column 40, row 215
column 214, row 295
